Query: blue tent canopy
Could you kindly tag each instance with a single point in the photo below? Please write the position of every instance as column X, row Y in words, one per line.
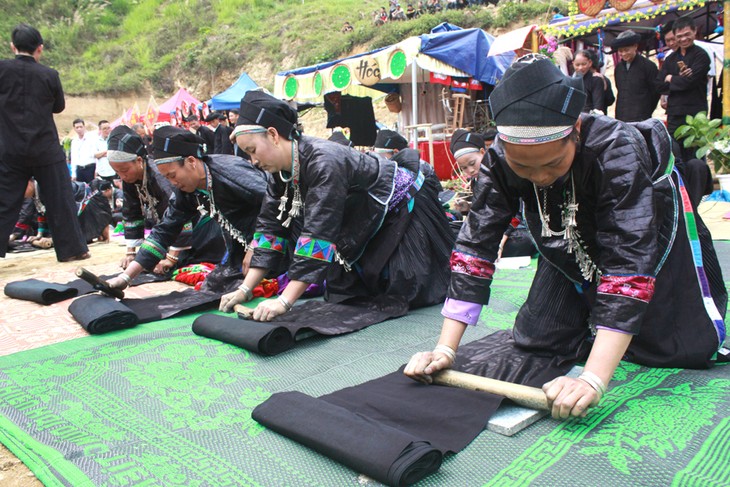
column 466, row 49
column 231, row 98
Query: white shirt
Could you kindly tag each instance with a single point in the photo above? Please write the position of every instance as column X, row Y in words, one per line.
column 103, row 168
column 82, row 151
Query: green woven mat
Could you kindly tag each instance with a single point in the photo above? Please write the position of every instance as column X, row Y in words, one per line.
column 159, row 406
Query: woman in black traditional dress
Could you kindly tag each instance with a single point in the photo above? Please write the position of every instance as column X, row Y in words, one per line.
column 368, row 225
column 627, row 267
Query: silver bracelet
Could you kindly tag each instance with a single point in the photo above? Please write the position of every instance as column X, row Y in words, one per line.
column 285, row 302
column 248, row 294
column 594, row 381
column 446, row 350
column 125, row 277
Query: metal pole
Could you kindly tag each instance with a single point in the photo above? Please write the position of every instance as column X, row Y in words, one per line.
column 414, row 101
column 726, row 68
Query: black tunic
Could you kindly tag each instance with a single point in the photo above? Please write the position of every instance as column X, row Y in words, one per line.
column 346, row 197
column 637, row 89
column 222, row 137
column 687, row 94
column 238, row 189
column 596, row 90
column 632, row 226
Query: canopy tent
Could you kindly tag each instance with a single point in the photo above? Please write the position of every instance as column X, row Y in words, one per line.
column 230, row 99
column 643, row 18
column 406, row 67
column 181, row 99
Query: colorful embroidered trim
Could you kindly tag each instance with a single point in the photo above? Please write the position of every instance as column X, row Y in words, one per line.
column 471, row 265
column 638, row 287
column 133, row 224
column 313, row 248
column 187, row 228
column 694, row 240
column 154, row 248
column 271, row 242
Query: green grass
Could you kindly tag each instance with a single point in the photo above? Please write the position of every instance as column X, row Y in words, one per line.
column 106, row 46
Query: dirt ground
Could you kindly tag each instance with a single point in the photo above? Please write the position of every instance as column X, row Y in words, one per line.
column 13, row 473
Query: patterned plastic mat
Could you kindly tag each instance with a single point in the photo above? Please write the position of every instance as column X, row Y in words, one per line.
column 157, row 405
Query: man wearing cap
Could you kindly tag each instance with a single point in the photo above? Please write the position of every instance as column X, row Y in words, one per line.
column 617, row 278
column 636, row 82
column 226, row 188
column 147, row 194
column 30, row 94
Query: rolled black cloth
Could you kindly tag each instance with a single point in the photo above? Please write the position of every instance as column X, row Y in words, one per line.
column 366, row 445
column 101, row 314
column 40, row 292
column 263, row 338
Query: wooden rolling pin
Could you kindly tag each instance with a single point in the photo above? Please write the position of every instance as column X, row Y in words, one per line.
column 529, row 397
column 98, row 284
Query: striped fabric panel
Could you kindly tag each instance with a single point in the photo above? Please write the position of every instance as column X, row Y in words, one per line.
column 154, row 248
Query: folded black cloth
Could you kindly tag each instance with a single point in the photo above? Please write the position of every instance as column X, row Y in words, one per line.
column 445, row 418
column 320, row 317
column 263, row 338
column 40, row 292
column 101, row 314
column 368, row 446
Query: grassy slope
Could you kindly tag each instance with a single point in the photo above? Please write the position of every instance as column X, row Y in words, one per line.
column 122, row 45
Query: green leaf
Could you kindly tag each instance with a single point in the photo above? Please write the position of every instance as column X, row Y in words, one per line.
column 702, row 152
column 688, row 141
column 681, row 131
column 690, row 119
column 714, row 123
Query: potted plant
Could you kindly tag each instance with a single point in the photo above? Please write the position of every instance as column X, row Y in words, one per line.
column 711, row 140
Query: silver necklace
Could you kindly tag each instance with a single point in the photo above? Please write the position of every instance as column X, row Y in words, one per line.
column 148, row 202
column 216, row 214
column 297, row 204
column 570, row 232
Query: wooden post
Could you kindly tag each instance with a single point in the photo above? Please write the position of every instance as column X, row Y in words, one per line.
column 726, row 68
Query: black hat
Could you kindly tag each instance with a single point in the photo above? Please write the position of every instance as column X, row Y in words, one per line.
column 535, row 102
column 124, row 145
column 625, row 39
column 104, row 185
column 340, row 138
column 173, row 143
column 389, row 140
column 464, row 142
column 261, row 109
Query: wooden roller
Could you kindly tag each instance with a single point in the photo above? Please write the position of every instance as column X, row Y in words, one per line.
column 243, row 312
column 529, row 397
column 98, row 284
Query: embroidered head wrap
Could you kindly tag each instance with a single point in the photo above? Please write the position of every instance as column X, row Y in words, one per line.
column 263, row 110
column 389, row 140
column 535, row 102
column 124, row 145
column 464, row 142
column 172, row 144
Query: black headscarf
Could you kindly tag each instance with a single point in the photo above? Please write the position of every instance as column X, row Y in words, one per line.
column 124, row 145
column 172, row 143
column 535, row 102
column 259, row 108
column 463, row 142
column 390, row 140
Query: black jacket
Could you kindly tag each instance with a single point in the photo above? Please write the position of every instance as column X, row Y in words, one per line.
column 223, row 144
column 638, row 90
column 238, row 190
column 687, row 94
column 208, row 137
column 596, row 91
column 30, row 94
column 345, row 194
column 624, row 212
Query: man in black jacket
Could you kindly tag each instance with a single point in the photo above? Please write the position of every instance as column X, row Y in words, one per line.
column 684, row 77
column 29, row 146
column 635, row 80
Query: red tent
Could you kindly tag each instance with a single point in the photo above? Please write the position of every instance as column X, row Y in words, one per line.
column 176, row 101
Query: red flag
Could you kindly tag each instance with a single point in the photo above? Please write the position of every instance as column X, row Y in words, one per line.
column 475, row 85
column 440, row 79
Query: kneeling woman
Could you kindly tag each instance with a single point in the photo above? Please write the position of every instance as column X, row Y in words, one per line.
column 369, row 226
column 227, row 188
column 627, row 269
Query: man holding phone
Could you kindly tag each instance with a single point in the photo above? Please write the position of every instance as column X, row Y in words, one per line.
column 684, row 78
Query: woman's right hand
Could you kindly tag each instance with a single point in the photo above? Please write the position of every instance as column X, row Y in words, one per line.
column 424, row 364
column 117, row 283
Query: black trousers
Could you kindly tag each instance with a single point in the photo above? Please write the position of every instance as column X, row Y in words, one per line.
column 85, row 174
column 55, row 186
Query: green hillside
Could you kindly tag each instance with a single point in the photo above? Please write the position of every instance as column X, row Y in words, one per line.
column 107, row 46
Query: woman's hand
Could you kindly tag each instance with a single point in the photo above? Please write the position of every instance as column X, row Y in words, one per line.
column 246, row 264
column 164, row 266
column 228, row 301
column 570, row 397
column 126, row 260
column 118, row 283
column 423, row 364
column 268, row 310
